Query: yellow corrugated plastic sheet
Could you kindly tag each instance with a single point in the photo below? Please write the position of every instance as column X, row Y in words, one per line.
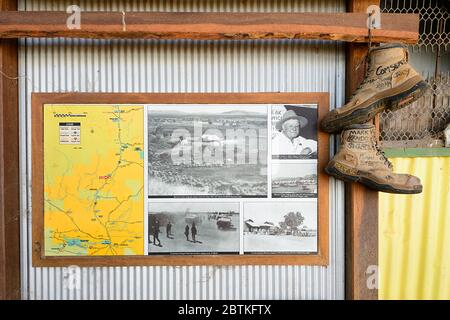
column 414, row 234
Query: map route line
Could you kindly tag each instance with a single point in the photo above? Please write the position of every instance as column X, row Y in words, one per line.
column 126, row 222
column 102, row 248
column 74, row 223
column 132, row 162
column 94, row 179
column 106, row 183
column 130, row 196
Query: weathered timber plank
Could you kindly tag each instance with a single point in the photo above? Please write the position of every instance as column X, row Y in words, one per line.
column 9, row 167
column 349, row 27
column 361, row 206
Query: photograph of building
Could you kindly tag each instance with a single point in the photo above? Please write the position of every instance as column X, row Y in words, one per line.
column 218, row 152
column 193, row 227
column 280, row 227
column 294, row 180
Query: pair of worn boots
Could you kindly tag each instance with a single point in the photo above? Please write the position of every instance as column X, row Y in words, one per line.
column 390, row 83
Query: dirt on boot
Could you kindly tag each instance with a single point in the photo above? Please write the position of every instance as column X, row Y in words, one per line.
column 390, row 83
column 361, row 160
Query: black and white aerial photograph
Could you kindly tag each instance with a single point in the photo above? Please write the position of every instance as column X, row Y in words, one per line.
column 207, row 151
column 193, row 228
column 294, row 132
column 294, row 180
column 280, row 227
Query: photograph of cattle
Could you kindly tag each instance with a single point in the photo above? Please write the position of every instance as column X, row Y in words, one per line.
column 294, row 180
column 193, row 228
column 207, row 150
column 280, row 227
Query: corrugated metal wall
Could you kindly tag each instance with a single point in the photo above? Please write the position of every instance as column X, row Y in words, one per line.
column 414, row 254
column 183, row 66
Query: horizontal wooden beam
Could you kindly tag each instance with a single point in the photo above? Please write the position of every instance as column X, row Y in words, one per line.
column 349, row 27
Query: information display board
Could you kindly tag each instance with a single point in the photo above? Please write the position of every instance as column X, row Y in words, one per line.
column 179, row 179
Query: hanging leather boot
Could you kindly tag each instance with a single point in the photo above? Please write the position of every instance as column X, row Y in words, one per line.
column 361, row 160
column 390, row 82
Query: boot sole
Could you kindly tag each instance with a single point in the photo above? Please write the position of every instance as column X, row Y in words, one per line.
column 393, row 102
column 406, row 98
column 332, row 171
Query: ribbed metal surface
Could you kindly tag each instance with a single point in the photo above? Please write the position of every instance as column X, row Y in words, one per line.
column 183, row 66
column 413, row 242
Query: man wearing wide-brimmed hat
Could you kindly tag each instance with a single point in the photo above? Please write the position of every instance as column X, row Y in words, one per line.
column 287, row 140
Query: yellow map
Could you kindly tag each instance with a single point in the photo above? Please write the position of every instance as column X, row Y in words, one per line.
column 93, row 180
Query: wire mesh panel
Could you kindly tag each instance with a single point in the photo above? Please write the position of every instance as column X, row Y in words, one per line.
column 434, row 23
column 421, row 123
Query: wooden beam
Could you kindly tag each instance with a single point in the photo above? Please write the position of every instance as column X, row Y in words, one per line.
column 350, row 27
column 9, row 167
column 361, row 202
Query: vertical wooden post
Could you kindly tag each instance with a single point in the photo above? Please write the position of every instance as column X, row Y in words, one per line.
column 9, row 166
column 361, row 203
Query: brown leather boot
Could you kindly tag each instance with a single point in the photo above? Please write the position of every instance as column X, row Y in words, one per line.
column 361, row 160
column 390, row 82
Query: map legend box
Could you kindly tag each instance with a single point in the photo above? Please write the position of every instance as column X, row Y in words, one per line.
column 69, row 132
column 94, row 187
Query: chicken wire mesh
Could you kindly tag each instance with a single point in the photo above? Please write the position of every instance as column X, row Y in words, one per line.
column 434, row 22
column 421, row 124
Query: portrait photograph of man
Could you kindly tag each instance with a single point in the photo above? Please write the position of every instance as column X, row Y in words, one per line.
column 294, row 132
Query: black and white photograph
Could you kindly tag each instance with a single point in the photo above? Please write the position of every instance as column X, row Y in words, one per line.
column 193, row 228
column 207, row 151
column 280, row 227
column 294, row 180
column 294, row 131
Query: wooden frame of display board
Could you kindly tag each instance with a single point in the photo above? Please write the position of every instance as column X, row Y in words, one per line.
column 41, row 99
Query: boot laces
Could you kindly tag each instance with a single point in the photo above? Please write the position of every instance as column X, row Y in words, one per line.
column 365, row 60
column 382, row 156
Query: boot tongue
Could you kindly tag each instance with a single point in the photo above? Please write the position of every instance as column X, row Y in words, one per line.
column 364, row 126
column 387, row 46
column 386, row 59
